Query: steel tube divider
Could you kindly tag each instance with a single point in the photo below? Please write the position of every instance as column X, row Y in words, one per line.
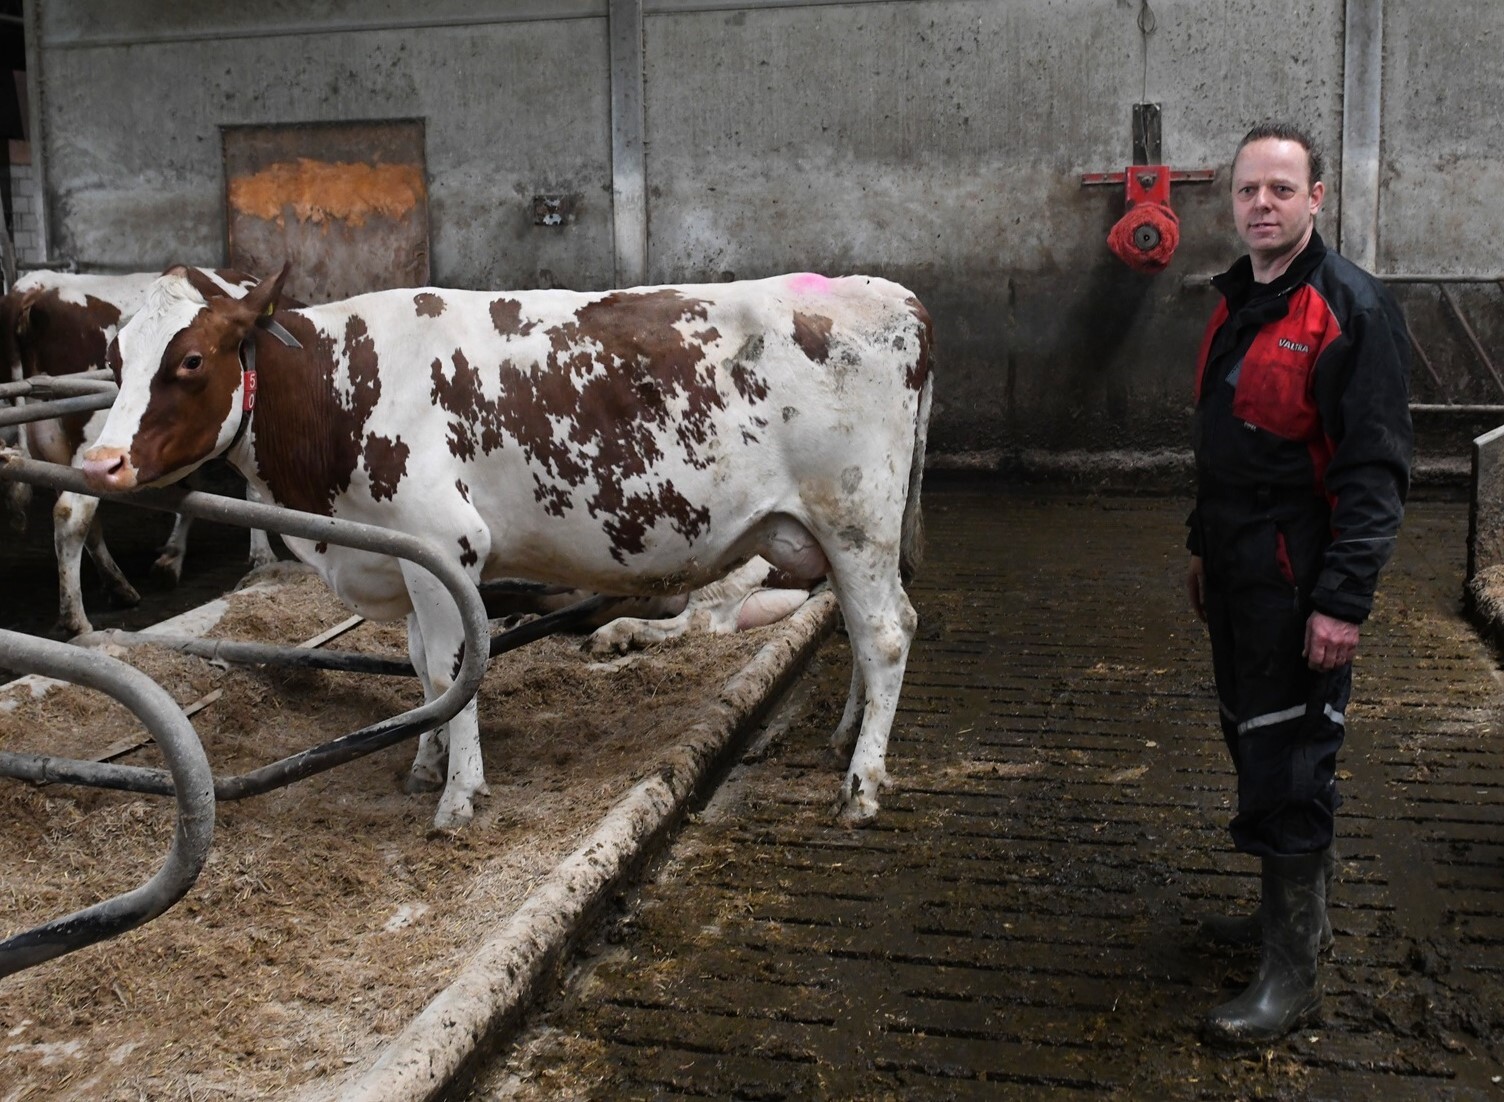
column 249, row 514
column 192, row 783
column 59, row 407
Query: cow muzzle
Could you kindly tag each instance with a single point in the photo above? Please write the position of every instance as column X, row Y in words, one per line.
column 109, row 469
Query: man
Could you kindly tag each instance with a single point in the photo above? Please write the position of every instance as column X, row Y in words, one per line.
column 1303, row 444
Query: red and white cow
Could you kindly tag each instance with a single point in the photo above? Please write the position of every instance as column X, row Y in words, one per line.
column 638, row 441
column 61, row 323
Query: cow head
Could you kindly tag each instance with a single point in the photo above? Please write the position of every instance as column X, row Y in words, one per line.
column 178, row 365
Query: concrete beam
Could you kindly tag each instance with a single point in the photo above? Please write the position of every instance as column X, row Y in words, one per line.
column 36, row 125
column 1362, row 87
column 628, row 143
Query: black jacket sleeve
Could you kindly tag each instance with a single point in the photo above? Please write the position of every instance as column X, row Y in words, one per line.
column 1362, row 388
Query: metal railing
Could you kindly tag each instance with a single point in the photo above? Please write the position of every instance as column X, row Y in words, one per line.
column 188, row 776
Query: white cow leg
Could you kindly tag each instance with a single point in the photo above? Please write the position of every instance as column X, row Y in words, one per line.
column 442, row 642
column 261, row 553
column 75, row 527
column 431, row 761
column 169, row 564
column 627, row 633
column 880, row 623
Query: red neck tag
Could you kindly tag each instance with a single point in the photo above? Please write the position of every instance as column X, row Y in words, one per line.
column 249, row 378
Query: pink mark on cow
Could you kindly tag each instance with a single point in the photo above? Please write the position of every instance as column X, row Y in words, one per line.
column 810, row 283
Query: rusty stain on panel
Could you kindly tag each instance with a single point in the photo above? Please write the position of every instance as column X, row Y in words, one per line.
column 346, row 203
column 319, row 192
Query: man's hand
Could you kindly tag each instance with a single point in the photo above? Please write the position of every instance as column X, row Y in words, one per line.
column 1330, row 642
column 1195, row 584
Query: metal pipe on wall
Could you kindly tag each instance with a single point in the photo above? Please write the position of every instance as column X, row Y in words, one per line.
column 629, row 197
column 1362, row 90
column 36, row 132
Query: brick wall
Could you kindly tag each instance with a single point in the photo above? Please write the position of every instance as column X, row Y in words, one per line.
column 27, row 235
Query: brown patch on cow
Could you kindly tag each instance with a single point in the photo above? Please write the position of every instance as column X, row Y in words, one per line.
column 506, row 316
column 365, row 375
column 199, row 280
column 459, row 484
column 919, row 369
column 183, row 416
column 627, row 381
column 474, row 426
column 47, row 335
column 308, row 439
column 386, row 464
column 749, row 384
column 752, row 387
column 468, row 555
column 321, row 548
column 428, row 304
column 812, row 334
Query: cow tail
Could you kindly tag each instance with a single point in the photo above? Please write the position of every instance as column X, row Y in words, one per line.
column 911, row 539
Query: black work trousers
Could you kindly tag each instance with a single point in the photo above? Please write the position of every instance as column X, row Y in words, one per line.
column 1283, row 722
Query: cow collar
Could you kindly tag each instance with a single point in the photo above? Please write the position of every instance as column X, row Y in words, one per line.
column 248, row 369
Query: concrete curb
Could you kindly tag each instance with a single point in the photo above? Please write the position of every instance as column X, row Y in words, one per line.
column 498, row 983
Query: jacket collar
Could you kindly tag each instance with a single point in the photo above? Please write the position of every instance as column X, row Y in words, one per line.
column 1238, row 288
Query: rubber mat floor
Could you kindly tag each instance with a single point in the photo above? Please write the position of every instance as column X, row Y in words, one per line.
column 1020, row 922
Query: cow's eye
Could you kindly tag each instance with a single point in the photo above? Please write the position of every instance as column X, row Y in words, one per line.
column 192, row 362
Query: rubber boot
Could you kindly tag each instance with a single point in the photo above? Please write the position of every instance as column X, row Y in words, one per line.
column 1247, row 931
column 1284, row 994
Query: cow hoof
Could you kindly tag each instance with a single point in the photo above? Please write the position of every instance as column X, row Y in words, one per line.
column 855, row 808
column 606, row 646
column 422, row 780
column 168, row 569
column 68, row 628
column 452, row 815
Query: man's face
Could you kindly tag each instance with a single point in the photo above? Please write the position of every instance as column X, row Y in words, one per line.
column 1273, row 198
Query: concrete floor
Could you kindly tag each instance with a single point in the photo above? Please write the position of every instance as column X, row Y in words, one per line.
column 1020, row 922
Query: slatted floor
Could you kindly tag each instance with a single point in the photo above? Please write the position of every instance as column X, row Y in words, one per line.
column 1018, row 924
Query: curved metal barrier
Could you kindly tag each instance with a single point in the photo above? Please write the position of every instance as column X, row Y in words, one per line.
column 189, row 776
column 248, row 514
column 192, row 783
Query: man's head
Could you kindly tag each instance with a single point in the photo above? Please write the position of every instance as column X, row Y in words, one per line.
column 1276, row 191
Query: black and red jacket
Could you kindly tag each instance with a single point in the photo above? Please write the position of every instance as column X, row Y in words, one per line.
column 1303, row 385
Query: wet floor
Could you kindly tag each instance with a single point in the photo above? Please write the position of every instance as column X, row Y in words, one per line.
column 1019, row 924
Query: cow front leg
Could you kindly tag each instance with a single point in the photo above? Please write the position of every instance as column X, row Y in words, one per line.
column 169, row 564
column 431, row 761
column 261, row 553
column 436, row 638
column 76, row 527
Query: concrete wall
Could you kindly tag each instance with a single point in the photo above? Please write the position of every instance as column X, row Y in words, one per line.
column 938, row 142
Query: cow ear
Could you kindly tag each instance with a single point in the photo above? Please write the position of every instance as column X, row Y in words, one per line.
column 261, row 300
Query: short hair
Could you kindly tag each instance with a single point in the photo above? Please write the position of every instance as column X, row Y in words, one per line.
column 1287, row 132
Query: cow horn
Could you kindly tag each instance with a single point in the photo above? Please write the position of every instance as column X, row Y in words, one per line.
column 261, row 300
